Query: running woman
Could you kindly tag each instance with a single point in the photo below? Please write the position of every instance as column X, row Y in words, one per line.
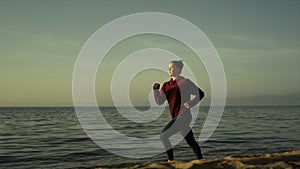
column 178, row 91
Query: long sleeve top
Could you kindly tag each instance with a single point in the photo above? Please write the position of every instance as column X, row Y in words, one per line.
column 177, row 92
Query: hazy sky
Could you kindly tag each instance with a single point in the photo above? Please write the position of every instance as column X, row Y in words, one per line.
column 258, row 43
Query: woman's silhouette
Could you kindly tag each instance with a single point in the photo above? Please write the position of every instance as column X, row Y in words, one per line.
column 178, row 91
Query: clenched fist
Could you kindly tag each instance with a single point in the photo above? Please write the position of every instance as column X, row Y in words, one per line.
column 156, row 86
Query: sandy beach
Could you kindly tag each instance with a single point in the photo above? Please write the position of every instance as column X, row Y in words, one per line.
column 284, row 160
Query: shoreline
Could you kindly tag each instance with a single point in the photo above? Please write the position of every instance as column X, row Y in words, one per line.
column 283, row 160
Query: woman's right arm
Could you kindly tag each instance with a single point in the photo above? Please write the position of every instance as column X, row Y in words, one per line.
column 159, row 96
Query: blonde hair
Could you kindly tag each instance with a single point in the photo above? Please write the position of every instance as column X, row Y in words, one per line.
column 178, row 63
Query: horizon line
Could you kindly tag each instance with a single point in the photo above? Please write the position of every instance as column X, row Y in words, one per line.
column 69, row 106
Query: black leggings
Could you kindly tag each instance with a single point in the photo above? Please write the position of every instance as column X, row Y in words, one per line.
column 180, row 124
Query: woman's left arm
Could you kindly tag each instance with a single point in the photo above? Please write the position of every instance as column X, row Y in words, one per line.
column 194, row 90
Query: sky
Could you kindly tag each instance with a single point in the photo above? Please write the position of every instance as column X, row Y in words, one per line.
column 257, row 41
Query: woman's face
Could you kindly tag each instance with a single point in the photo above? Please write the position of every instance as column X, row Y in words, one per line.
column 173, row 70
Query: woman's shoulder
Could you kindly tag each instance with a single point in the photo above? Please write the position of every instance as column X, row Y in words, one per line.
column 166, row 83
column 189, row 82
column 182, row 78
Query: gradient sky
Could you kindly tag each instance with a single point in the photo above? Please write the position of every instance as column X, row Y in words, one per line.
column 258, row 43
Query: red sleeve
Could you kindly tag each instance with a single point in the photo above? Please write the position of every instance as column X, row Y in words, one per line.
column 195, row 90
column 160, row 96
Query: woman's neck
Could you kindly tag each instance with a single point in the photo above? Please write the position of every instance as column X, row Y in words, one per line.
column 174, row 77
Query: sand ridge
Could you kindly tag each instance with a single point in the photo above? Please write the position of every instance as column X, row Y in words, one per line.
column 285, row 160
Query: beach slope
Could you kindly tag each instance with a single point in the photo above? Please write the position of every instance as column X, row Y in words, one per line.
column 285, row 160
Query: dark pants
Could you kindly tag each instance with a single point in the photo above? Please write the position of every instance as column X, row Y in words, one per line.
column 180, row 124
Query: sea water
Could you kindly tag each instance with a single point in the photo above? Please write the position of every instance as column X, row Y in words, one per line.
column 52, row 137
